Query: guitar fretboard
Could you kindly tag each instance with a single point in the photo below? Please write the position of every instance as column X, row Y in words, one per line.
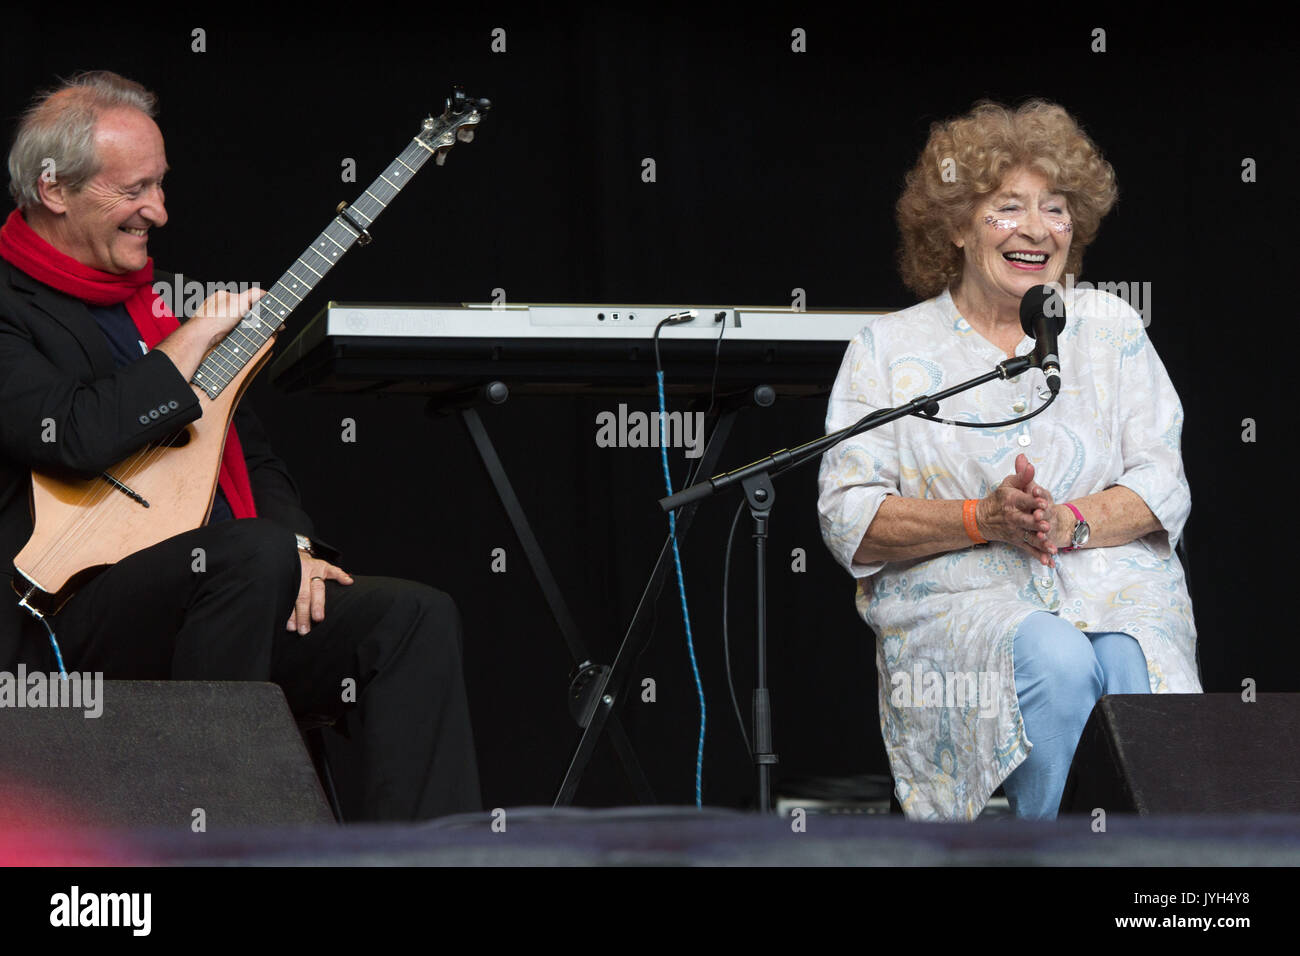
column 224, row 362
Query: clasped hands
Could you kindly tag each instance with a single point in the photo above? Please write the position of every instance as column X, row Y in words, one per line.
column 1021, row 512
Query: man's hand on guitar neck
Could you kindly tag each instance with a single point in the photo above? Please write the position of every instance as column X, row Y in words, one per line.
column 311, row 592
column 219, row 313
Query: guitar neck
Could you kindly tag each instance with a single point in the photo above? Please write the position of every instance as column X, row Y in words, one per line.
column 224, row 363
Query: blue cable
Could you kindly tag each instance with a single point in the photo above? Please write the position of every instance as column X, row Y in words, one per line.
column 681, row 589
column 58, row 654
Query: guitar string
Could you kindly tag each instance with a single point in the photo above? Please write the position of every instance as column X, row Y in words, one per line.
column 81, row 522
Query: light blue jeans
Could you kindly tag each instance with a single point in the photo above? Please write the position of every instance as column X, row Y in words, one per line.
column 1061, row 672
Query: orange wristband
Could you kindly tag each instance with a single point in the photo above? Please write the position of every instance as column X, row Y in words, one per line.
column 968, row 519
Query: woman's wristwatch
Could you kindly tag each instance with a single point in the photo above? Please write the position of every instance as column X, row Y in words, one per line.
column 1081, row 530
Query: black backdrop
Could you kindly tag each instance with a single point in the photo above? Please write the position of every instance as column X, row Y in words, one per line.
column 775, row 170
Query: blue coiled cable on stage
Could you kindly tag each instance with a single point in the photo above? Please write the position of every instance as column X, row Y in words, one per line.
column 681, row 589
column 677, row 557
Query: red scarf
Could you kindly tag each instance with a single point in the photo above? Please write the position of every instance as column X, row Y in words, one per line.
column 25, row 250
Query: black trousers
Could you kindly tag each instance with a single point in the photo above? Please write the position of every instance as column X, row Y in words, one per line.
column 152, row 616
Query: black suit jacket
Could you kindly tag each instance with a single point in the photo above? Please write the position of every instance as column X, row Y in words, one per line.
column 56, row 368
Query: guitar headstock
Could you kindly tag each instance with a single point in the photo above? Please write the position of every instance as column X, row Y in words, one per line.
column 457, row 122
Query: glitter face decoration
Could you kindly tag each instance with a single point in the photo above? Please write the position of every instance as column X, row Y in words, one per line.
column 1056, row 224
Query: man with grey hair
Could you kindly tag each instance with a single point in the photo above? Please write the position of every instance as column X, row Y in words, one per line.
column 87, row 344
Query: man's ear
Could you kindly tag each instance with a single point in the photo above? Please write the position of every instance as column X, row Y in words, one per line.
column 53, row 195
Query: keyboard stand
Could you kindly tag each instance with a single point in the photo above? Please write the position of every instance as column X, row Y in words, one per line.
column 613, row 681
column 595, row 690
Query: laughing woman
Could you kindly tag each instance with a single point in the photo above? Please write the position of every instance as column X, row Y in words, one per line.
column 1037, row 586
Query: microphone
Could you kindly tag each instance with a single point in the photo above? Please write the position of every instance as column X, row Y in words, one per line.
column 1042, row 316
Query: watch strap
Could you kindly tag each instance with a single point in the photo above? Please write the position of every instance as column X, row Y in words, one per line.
column 1079, row 518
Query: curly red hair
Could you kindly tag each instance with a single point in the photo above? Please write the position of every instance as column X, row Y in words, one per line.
column 966, row 158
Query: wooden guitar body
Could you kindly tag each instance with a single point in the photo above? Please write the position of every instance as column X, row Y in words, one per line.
column 83, row 526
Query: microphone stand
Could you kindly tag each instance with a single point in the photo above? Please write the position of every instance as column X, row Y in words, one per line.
column 756, row 480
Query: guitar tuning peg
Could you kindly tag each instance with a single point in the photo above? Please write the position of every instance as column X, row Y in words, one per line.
column 458, row 102
column 465, row 135
column 440, row 157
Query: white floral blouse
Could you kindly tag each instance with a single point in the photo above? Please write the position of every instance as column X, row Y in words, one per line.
column 945, row 624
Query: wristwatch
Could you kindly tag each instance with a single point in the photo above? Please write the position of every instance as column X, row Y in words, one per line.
column 1081, row 530
column 304, row 544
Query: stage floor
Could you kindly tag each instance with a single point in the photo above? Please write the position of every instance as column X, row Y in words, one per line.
column 684, row 836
